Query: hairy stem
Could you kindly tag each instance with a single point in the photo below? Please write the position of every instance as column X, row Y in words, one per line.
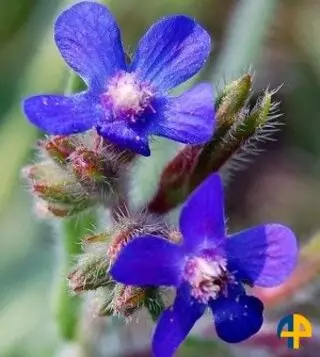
column 68, row 307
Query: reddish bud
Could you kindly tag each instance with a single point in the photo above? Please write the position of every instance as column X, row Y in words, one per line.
column 129, row 227
column 88, row 165
column 90, row 272
column 60, row 193
column 58, row 209
column 174, row 180
column 127, row 300
column 59, row 148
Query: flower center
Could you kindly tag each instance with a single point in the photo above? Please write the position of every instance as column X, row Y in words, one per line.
column 127, row 96
column 207, row 277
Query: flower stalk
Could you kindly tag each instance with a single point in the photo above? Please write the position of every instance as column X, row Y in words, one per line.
column 67, row 307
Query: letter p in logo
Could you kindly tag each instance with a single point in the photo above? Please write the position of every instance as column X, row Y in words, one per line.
column 294, row 327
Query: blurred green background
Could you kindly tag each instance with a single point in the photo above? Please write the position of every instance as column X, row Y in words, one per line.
column 278, row 39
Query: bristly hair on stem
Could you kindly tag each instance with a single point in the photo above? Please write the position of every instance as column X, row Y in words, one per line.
column 231, row 150
column 268, row 118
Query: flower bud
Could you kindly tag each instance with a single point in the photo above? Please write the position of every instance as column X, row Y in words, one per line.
column 173, row 180
column 60, row 210
column 65, row 192
column 129, row 227
column 58, row 193
column 79, row 171
column 249, row 126
column 127, row 300
column 38, row 171
column 101, row 172
column 88, row 165
column 258, row 116
column 59, row 148
column 102, row 300
column 90, row 272
column 232, row 100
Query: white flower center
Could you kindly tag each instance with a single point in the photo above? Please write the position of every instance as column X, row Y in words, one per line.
column 207, row 278
column 127, row 96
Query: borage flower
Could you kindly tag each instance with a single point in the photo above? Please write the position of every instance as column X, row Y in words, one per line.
column 209, row 268
column 126, row 103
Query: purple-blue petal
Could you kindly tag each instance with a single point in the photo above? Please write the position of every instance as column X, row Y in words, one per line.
column 237, row 317
column 120, row 133
column 62, row 115
column 188, row 119
column 149, row 261
column 89, row 40
column 202, row 221
column 172, row 51
column 175, row 323
column 264, row 255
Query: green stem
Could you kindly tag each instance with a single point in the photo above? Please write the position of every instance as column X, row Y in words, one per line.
column 71, row 231
column 68, row 307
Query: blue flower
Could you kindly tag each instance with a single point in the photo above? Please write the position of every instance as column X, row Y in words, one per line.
column 209, row 268
column 127, row 103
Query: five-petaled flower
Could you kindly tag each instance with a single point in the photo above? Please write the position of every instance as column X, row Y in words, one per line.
column 128, row 102
column 209, row 268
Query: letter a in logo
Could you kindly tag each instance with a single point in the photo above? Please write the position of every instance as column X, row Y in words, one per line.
column 294, row 327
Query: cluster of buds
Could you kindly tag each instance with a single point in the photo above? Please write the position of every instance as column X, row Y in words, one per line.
column 77, row 172
column 91, row 272
column 240, row 124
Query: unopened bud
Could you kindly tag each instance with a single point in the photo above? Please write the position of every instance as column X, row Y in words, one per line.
column 233, row 99
column 119, row 240
column 173, row 180
column 63, row 194
column 59, row 148
column 88, row 165
column 90, row 272
column 40, row 170
column 46, row 209
column 259, row 115
column 249, row 126
column 127, row 300
column 130, row 227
